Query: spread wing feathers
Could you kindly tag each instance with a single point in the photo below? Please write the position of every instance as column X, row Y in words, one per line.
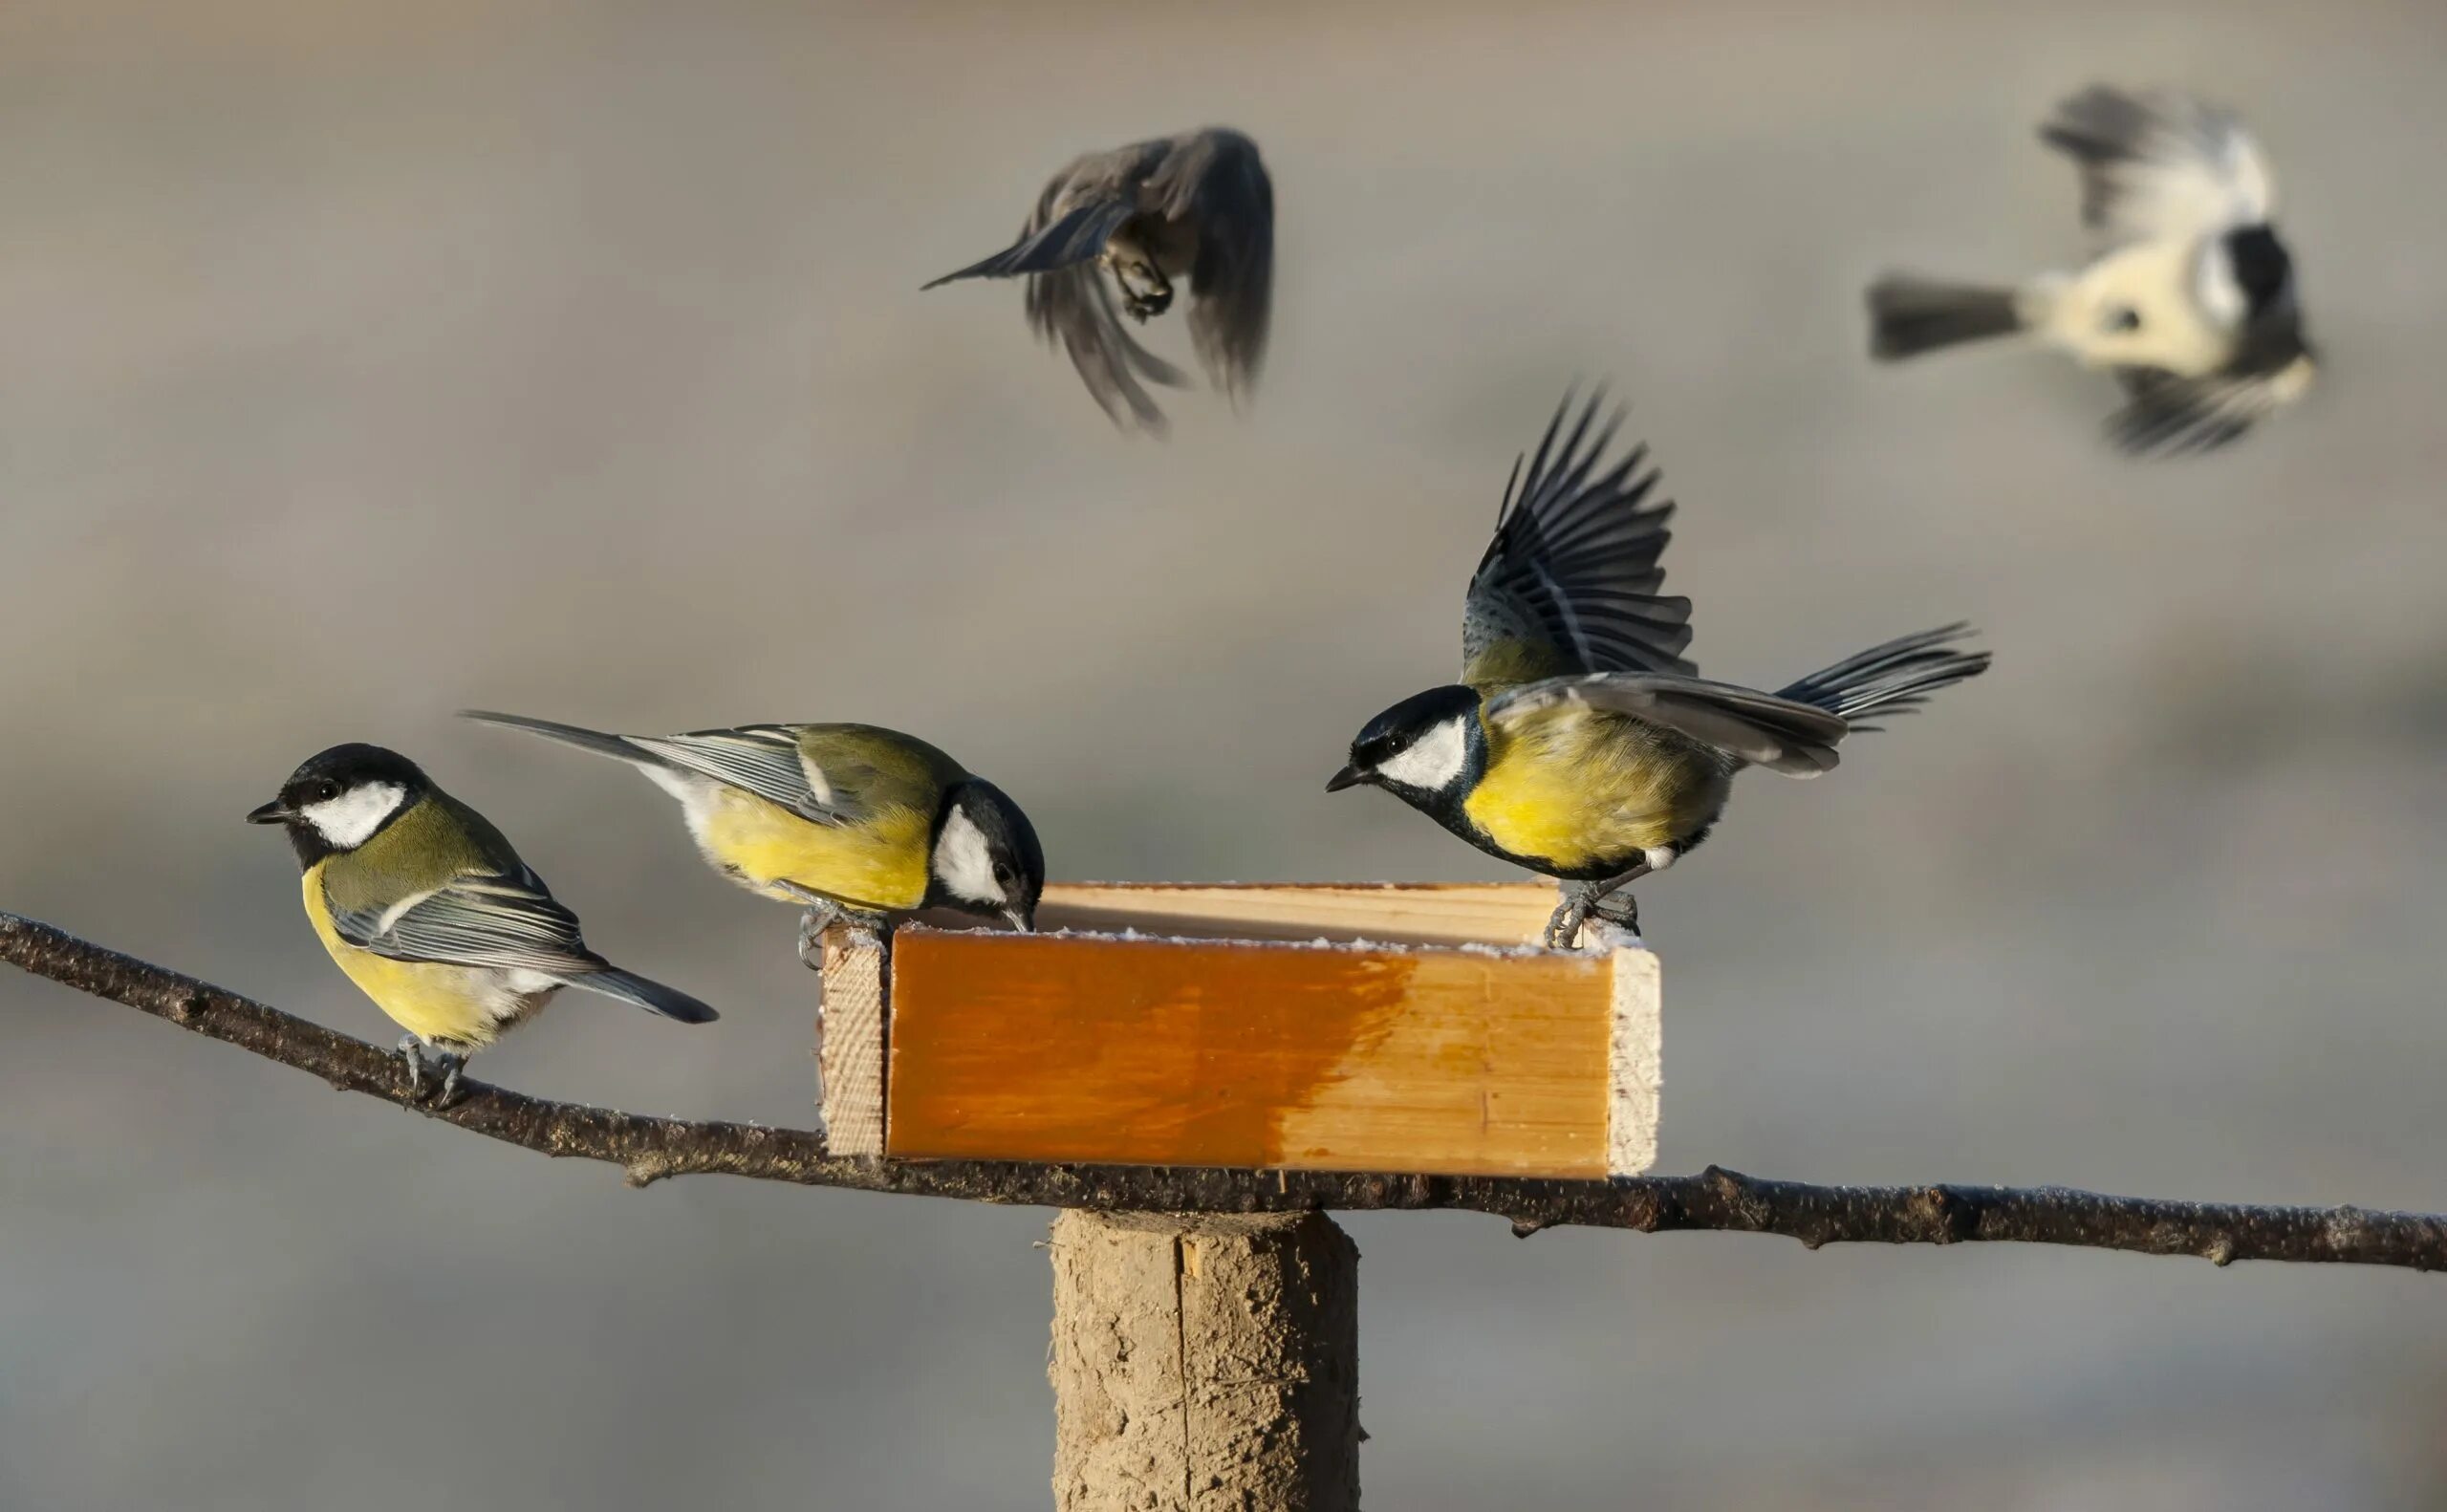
column 1574, row 568
column 1216, row 180
column 1074, row 236
column 2168, row 416
column 1893, row 678
column 761, row 759
column 1783, row 734
column 506, row 920
column 2158, row 162
column 1074, row 307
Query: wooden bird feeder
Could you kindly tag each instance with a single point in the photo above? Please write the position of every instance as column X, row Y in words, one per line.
column 1404, row 1029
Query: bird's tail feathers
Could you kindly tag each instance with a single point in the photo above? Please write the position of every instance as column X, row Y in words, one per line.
column 1910, row 315
column 601, row 744
column 1894, row 678
column 652, row 995
column 1074, row 238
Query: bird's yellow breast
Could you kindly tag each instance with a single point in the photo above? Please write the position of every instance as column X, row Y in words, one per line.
column 880, row 864
column 1583, row 789
column 461, row 1005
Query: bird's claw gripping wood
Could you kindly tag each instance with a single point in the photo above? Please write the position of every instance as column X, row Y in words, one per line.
column 1584, row 901
column 412, row 1055
column 822, row 914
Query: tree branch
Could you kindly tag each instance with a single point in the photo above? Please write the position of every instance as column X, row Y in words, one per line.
column 649, row 1149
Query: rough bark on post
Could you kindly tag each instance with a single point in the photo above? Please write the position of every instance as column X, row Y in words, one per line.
column 1203, row 1363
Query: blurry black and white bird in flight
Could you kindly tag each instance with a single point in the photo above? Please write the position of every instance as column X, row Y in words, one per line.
column 2189, row 298
column 1197, row 206
column 1580, row 742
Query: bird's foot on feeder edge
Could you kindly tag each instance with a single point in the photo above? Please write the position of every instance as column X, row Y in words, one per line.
column 1584, row 901
column 822, row 914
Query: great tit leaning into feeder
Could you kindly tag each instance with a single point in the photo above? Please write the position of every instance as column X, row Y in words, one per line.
column 1197, row 206
column 1578, row 742
column 2190, row 299
column 425, row 906
column 851, row 822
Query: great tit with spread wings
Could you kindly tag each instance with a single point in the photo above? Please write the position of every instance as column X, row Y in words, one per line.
column 2190, row 298
column 849, row 821
column 431, row 913
column 1197, row 206
column 1579, row 742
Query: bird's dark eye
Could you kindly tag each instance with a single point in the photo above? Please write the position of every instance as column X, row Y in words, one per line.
column 326, row 791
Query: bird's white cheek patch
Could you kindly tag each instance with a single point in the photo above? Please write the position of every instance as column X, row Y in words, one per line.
column 1433, row 762
column 350, row 820
column 961, row 862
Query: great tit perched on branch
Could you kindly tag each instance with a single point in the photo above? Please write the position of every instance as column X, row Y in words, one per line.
column 1578, row 742
column 428, row 910
column 851, row 822
column 1197, row 206
column 2190, row 298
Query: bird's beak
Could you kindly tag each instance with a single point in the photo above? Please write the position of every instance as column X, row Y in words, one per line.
column 269, row 813
column 1348, row 777
column 1019, row 921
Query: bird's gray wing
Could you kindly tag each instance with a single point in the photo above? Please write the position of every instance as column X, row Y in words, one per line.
column 2160, row 164
column 2168, row 416
column 1077, row 209
column 1076, row 236
column 1071, row 306
column 1760, row 729
column 506, row 920
column 759, row 759
column 1570, row 583
column 1215, row 179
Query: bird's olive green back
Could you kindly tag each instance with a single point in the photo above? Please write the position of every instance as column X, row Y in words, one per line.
column 436, row 840
column 869, row 769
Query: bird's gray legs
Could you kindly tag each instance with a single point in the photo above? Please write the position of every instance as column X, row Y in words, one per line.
column 1602, row 900
column 822, row 914
column 412, row 1051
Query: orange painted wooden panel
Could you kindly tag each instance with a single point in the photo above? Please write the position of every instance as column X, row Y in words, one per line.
column 1145, row 1051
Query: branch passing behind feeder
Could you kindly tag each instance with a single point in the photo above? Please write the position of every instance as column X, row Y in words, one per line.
column 2189, row 298
column 430, row 912
column 1579, row 742
column 1197, row 206
column 852, row 821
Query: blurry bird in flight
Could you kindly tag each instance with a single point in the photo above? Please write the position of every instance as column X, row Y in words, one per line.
column 2189, row 298
column 1197, row 206
column 1580, row 742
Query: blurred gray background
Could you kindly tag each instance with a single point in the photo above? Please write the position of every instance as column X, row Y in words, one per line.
column 366, row 361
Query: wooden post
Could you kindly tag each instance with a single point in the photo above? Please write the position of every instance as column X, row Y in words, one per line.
column 1202, row 1363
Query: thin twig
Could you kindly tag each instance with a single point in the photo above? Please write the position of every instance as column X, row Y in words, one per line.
column 649, row 1149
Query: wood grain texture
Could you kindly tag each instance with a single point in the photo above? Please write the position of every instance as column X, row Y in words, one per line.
column 1163, row 1053
column 1425, row 913
column 850, row 1041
